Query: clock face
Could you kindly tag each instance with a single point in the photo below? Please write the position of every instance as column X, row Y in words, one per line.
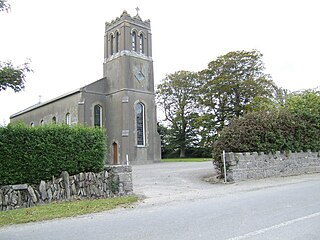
column 139, row 76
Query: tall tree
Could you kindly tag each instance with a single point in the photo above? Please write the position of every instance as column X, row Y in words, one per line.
column 176, row 96
column 229, row 85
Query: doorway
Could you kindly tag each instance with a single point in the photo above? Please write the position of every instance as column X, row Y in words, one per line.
column 115, row 153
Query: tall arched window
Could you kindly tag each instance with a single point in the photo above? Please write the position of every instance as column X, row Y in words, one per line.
column 97, row 116
column 134, row 41
column 141, row 43
column 54, row 120
column 117, row 42
column 111, row 44
column 140, row 124
column 68, row 119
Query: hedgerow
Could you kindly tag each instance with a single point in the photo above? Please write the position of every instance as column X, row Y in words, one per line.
column 29, row 155
column 267, row 132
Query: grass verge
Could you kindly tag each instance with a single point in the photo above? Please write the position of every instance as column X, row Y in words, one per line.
column 62, row 209
column 185, row 159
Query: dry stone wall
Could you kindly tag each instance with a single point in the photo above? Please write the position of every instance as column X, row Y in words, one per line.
column 245, row 166
column 112, row 181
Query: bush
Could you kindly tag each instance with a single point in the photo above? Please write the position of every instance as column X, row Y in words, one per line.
column 29, row 155
column 268, row 132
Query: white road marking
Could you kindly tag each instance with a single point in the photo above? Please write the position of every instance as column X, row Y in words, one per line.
column 261, row 231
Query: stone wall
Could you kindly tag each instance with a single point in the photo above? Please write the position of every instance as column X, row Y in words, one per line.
column 112, row 181
column 244, row 166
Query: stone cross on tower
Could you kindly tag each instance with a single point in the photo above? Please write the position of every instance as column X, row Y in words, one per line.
column 137, row 9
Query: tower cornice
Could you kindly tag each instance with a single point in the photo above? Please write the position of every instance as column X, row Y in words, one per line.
column 128, row 53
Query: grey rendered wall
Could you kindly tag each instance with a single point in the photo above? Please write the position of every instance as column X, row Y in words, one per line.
column 93, row 94
column 46, row 112
column 125, row 90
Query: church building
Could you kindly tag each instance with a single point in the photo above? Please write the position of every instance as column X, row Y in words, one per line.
column 122, row 102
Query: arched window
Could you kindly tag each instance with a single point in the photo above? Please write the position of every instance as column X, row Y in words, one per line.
column 68, row 119
column 97, row 116
column 117, row 42
column 141, row 43
column 140, row 124
column 54, row 120
column 134, row 41
column 42, row 122
column 111, row 44
column 32, row 124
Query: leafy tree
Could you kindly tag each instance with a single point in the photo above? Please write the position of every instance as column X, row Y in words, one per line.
column 229, row 87
column 176, row 96
column 13, row 77
column 261, row 103
column 305, row 103
column 164, row 133
column 4, row 6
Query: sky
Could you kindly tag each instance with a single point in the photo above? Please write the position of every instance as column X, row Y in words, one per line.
column 64, row 40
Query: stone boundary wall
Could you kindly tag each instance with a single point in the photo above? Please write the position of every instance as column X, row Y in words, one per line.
column 245, row 166
column 112, row 181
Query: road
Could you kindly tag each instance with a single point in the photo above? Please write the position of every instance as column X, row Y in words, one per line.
column 188, row 208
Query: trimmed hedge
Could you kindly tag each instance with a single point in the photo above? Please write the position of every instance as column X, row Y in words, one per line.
column 29, row 155
column 268, row 132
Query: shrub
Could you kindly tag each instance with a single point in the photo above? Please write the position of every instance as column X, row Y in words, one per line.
column 29, row 155
column 267, row 132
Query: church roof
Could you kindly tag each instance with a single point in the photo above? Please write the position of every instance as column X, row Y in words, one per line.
column 45, row 103
column 82, row 89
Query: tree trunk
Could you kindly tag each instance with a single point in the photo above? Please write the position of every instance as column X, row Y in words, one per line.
column 182, row 151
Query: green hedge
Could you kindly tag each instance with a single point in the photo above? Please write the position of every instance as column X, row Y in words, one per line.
column 29, row 155
column 268, row 132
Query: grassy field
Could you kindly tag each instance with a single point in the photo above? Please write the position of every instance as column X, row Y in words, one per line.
column 63, row 209
column 185, row 159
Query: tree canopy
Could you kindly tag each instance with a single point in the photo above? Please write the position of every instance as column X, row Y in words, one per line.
column 4, row 6
column 305, row 103
column 13, row 76
column 175, row 95
column 234, row 105
column 229, row 87
column 198, row 106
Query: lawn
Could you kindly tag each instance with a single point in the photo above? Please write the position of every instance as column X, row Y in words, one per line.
column 185, row 159
column 62, row 209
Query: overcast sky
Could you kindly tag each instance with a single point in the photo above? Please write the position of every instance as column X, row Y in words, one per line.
column 64, row 40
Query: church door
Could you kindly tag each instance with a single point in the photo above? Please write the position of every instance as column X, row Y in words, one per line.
column 115, row 153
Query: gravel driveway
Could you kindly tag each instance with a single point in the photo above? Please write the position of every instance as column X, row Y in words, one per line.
column 163, row 183
column 166, row 182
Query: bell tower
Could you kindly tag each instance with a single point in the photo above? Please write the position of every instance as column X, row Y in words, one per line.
column 130, row 100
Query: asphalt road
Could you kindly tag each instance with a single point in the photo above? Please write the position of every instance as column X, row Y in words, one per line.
column 188, row 208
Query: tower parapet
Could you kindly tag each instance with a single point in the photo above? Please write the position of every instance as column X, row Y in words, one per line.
column 125, row 16
column 127, row 35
